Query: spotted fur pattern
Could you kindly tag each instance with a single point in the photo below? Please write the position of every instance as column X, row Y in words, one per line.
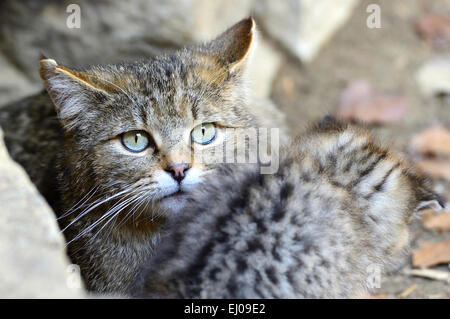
column 338, row 208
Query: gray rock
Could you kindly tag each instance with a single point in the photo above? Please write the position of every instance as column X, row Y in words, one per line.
column 33, row 262
column 116, row 31
column 264, row 66
column 433, row 77
column 110, row 31
column 13, row 83
column 303, row 26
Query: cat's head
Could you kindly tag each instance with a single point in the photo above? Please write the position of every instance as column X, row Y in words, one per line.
column 135, row 125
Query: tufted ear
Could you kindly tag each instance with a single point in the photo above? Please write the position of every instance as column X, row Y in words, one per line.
column 232, row 48
column 71, row 91
column 428, row 199
column 425, row 197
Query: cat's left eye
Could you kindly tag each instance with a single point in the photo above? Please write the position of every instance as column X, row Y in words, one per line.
column 204, row 133
column 135, row 141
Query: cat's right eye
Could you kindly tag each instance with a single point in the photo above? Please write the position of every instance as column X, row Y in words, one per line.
column 204, row 133
column 135, row 141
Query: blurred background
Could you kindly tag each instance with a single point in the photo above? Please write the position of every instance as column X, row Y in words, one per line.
column 386, row 63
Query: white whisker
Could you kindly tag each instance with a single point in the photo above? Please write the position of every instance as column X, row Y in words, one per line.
column 89, row 209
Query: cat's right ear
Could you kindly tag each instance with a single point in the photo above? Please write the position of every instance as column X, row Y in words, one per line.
column 232, row 49
column 71, row 91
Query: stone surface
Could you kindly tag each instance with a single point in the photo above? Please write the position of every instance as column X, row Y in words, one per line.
column 303, row 26
column 433, row 77
column 110, row 31
column 32, row 252
column 264, row 66
column 114, row 31
column 13, row 83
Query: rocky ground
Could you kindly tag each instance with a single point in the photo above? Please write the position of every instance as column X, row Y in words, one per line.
column 33, row 259
column 388, row 58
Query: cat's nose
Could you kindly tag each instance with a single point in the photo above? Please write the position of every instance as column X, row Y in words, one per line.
column 177, row 171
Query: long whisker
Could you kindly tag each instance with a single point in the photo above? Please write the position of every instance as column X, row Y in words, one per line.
column 119, row 205
column 111, row 214
column 131, row 212
column 80, row 203
column 89, row 209
column 115, row 209
column 144, row 209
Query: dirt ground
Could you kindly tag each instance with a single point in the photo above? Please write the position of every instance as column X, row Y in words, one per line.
column 388, row 58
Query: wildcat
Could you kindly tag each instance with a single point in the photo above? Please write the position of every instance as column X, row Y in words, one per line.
column 338, row 208
column 110, row 147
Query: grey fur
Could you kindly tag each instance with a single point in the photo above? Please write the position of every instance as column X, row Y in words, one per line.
column 339, row 205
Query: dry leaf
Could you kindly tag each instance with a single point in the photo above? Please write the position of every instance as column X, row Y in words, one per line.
column 434, row 29
column 408, row 291
column 439, row 222
column 438, row 168
column 360, row 101
column 435, row 140
column 431, row 254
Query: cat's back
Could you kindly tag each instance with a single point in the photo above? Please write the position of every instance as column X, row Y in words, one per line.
column 33, row 137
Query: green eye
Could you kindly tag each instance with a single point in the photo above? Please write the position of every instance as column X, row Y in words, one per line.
column 204, row 133
column 135, row 141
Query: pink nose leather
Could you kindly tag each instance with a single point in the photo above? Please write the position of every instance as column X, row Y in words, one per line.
column 177, row 171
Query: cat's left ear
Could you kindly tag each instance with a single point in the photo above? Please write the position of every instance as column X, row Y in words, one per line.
column 72, row 92
column 233, row 47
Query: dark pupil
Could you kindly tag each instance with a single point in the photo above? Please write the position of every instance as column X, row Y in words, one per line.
column 203, row 130
column 136, row 137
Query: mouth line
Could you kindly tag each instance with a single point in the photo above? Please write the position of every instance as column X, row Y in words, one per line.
column 175, row 195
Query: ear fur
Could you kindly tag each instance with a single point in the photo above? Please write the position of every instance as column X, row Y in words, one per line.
column 233, row 47
column 70, row 90
column 426, row 198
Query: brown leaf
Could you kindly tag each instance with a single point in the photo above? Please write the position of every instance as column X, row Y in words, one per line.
column 438, row 168
column 408, row 291
column 431, row 254
column 360, row 101
column 439, row 222
column 435, row 140
column 434, row 29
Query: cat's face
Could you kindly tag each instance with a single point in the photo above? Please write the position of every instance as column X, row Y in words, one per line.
column 137, row 126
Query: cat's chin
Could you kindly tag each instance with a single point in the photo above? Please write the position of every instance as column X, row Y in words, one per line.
column 173, row 204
